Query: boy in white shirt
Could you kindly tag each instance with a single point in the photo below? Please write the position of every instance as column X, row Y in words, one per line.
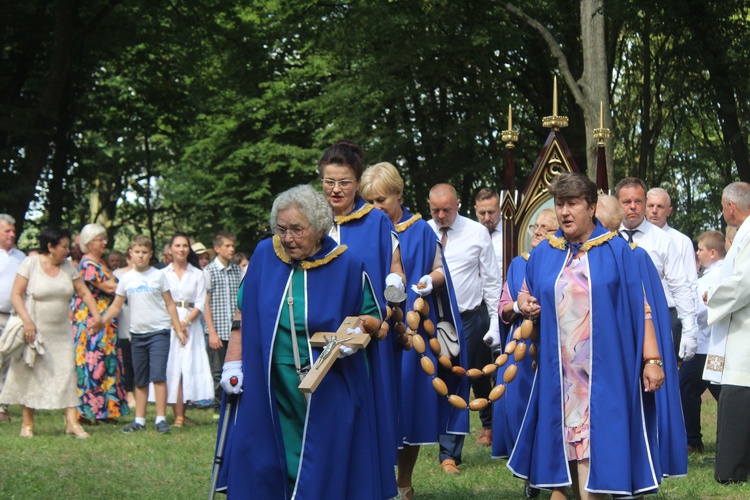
column 711, row 252
column 151, row 311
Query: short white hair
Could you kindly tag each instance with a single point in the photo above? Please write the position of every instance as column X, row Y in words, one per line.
column 656, row 191
column 88, row 233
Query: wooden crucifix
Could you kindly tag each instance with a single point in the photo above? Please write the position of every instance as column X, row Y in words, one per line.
column 330, row 341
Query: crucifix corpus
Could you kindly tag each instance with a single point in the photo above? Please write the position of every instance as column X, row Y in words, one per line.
column 330, row 341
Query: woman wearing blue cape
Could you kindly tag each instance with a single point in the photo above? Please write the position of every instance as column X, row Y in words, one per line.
column 508, row 411
column 591, row 419
column 672, row 437
column 425, row 414
column 370, row 234
column 280, row 444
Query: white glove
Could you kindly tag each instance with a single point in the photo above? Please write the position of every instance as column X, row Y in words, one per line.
column 394, row 279
column 425, row 280
column 688, row 346
column 231, row 369
column 345, row 351
column 492, row 337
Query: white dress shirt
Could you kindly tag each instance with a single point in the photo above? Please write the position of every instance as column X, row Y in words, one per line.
column 710, row 279
column 9, row 264
column 666, row 257
column 497, row 244
column 471, row 261
column 687, row 257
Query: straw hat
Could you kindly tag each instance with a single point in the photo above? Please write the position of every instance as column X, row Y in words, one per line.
column 200, row 248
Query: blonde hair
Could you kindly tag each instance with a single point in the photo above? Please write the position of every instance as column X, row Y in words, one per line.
column 382, row 177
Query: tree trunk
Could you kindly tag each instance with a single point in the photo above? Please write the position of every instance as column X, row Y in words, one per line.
column 593, row 86
column 38, row 149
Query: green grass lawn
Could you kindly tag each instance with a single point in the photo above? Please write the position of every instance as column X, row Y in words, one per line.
column 178, row 465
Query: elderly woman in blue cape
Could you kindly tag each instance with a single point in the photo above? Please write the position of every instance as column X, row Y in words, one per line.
column 425, row 414
column 591, row 419
column 368, row 233
column 280, row 445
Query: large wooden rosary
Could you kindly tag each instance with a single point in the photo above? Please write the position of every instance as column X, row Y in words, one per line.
column 409, row 338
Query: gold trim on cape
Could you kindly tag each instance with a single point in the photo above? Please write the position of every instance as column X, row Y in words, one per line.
column 357, row 214
column 559, row 243
column 306, row 264
column 403, row 226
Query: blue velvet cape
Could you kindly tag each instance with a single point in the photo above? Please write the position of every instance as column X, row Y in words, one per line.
column 508, row 411
column 341, row 432
column 672, row 437
column 623, row 447
column 368, row 233
column 426, row 415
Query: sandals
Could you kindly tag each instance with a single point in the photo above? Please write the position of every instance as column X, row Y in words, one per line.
column 182, row 421
column 27, row 431
column 406, row 492
column 76, row 431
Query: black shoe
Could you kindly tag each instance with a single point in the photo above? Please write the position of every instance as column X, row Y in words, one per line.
column 697, row 448
column 530, row 492
column 163, row 427
column 132, row 427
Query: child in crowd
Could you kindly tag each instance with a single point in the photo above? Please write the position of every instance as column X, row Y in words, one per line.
column 152, row 309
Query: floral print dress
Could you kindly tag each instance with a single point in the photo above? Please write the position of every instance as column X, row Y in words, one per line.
column 98, row 357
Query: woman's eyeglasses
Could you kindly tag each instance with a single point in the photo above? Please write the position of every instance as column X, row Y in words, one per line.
column 541, row 227
column 294, row 232
column 343, row 184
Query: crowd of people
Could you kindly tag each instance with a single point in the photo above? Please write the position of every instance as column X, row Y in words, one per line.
column 93, row 357
column 625, row 324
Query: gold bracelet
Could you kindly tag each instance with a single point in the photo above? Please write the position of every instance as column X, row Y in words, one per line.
column 654, row 361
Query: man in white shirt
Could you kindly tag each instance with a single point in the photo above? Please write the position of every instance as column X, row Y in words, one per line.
column 681, row 296
column 10, row 260
column 658, row 208
column 487, row 210
column 728, row 358
column 711, row 252
column 477, row 283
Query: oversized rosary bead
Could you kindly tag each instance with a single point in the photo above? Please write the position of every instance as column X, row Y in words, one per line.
column 427, row 365
column 445, row 362
column 497, row 392
column 520, row 352
column 435, row 346
column 510, row 347
column 398, row 314
column 526, row 327
column 399, row 328
column 406, row 342
column 458, row 371
column 382, row 333
column 479, row 404
column 418, row 342
column 489, row 369
column 419, row 305
column 439, row 386
column 457, row 402
column 532, row 351
column 412, row 319
column 429, row 327
column 370, row 324
column 510, row 373
column 388, row 312
column 501, row 360
column 517, row 334
column 474, row 373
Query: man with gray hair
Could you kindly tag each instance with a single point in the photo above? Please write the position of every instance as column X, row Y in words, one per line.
column 10, row 260
column 658, row 208
column 728, row 358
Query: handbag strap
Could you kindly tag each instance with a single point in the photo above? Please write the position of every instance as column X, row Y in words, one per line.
column 439, row 306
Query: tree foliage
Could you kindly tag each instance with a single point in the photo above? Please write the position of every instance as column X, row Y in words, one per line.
column 192, row 115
